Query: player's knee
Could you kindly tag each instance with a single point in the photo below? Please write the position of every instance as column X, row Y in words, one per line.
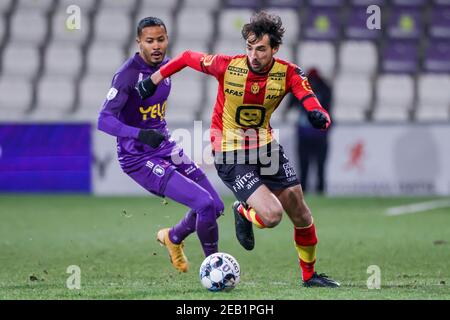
column 272, row 216
column 206, row 206
column 220, row 207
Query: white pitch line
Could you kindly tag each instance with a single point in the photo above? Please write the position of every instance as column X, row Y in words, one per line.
column 418, row 207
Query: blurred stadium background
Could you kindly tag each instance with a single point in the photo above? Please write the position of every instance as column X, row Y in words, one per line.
column 389, row 137
column 391, row 96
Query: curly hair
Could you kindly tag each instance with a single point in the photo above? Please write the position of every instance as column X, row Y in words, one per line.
column 262, row 23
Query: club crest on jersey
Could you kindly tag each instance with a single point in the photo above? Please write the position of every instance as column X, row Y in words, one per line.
column 112, row 93
column 255, row 88
column 159, row 171
column 306, row 85
column 208, row 59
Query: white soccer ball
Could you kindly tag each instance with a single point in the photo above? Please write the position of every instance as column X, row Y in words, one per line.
column 220, row 272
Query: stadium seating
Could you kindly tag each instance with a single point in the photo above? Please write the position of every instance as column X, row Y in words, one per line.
column 352, row 98
column 400, row 56
column 433, row 98
column 437, row 57
column 440, row 22
column 15, row 98
column 358, row 57
column 55, row 98
column 322, row 24
column 21, row 31
column 319, row 55
column 394, row 98
column 331, row 35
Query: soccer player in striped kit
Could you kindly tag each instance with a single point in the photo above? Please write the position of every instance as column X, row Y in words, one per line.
column 247, row 157
column 146, row 151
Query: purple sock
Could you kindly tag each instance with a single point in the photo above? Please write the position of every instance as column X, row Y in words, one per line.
column 185, row 227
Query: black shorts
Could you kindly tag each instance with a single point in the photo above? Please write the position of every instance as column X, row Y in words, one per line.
column 244, row 178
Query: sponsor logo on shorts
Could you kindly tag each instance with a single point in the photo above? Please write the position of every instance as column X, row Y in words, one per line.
column 159, row 171
column 289, row 171
column 245, row 182
column 150, row 164
column 167, row 81
column 189, row 170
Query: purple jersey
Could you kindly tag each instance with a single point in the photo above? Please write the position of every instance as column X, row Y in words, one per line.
column 124, row 113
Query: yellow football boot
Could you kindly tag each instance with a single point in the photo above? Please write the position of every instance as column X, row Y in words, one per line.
column 176, row 254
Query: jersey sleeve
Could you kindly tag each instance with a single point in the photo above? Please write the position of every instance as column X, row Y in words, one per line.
column 214, row 65
column 298, row 84
column 116, row 98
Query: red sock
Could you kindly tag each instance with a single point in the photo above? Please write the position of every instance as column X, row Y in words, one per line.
column 305, row 243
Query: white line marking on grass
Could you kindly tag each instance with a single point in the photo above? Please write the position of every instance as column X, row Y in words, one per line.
column 418, row 207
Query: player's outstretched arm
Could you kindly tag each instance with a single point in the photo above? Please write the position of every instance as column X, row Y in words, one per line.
column 209, row 64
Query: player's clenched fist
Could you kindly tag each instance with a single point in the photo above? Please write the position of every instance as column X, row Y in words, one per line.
column 318, row 119
column 146, row 88
column 151, row 137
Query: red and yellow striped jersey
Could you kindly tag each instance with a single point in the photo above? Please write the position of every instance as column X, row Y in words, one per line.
column 245, row 99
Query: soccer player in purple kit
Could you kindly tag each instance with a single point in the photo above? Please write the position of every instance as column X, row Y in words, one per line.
column 146, row 151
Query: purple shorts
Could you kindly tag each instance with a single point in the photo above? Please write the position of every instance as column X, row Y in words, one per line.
column 153, row 172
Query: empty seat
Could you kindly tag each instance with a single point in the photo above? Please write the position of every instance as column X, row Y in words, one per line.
column 231, row 22
column 84, row 5
column 358, row 57
column 352, row 98
column 409, row 3
column 56, row 60
column 433, row 97
column 319, row 55
column 229, row 48
column 120, row 5
column 55, row 97
column 147, row 6
column 291, row 23
column 394, row 98
column 356, row 25
column 200, row 25
column 400, row 57
column 322, row 24
column 179, row 107
column 293, row 4
column 208, row 5
column 20, row 60
column 35, row 5
column 405, row 23
column 327, row 3
column 2, row 29
column 62, row 28
column 207, row 108
column 112, row 26
column 15, row 98
column 5, row 6
column 180, row 46
column 28, row 27
column 93, row 91
column 286, row 52
column 367, row 2
column 104, row 59
column 440, row 22
column 252, row 4
column 437, row 57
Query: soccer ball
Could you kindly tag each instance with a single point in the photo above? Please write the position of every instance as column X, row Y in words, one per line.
column 220, row 272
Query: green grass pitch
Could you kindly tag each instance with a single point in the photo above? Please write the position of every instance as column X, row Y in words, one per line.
column 112, row 240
